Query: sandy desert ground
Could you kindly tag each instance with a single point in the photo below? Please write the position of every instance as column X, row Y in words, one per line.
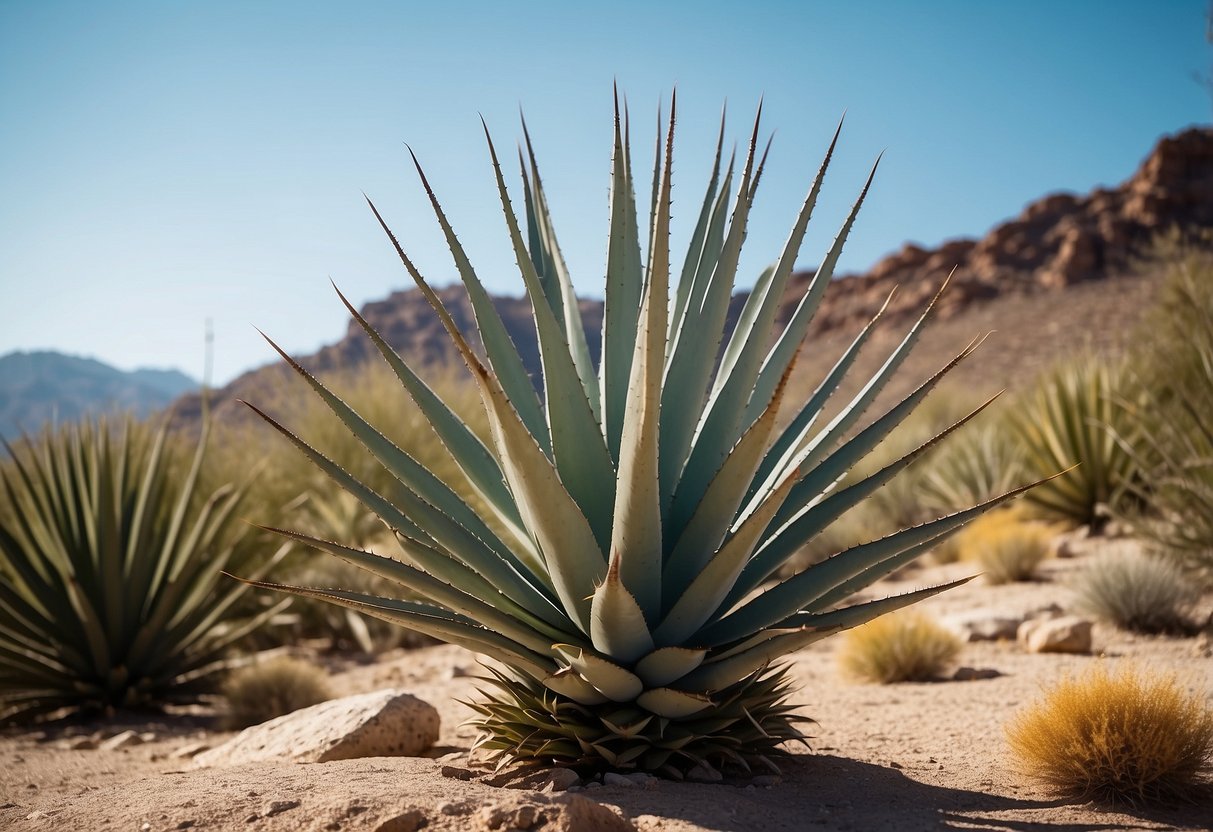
column 895, row 757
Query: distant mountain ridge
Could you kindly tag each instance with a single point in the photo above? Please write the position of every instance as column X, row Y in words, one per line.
column 41, row 386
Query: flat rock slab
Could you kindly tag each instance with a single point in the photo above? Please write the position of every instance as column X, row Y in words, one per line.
column 386, row 723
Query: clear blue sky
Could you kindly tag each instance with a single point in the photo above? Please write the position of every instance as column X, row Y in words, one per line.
column 163, row 162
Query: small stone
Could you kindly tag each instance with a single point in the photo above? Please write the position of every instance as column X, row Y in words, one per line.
column 277, row 807
column 493, row 817
column 148, row 736
column 410, row 820
column 767, row 780
column 185, row 824
column 456, row 773
column 579, row 814
column 1067, row 634
column 527, row 816
column 189, row 750
column 455, row 808
column 593, row 784
column 562, row 779
column 613, row 779
column 981, row 626
column 895, row 764
column 969, row 674
column 124, row 740
column 145, row 827
column 82, row 744
column 704, row 774
column 643, row 779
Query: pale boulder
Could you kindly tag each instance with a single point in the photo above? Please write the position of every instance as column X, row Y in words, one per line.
column 1064, row 634
column 385, row 723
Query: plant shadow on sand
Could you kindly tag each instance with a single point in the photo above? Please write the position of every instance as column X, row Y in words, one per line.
column 827, row 792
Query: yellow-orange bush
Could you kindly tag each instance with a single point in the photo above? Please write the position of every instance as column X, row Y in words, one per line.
column 902, row 647
column 1129, row 737
column 260, row 692
column 1006, row 546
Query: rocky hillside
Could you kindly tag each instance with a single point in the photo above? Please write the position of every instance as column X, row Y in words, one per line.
column 1056, row 242
column 37, row 387
column 1063, row 275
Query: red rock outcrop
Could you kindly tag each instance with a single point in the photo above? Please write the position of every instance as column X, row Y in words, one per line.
column 1055, row 242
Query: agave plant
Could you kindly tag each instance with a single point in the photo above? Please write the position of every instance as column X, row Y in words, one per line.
column 110, row 562
column 644, row 503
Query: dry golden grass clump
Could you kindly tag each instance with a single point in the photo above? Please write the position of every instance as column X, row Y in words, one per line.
column 1137, row 592
column 1129, row 737
column 902, row 647
column 1006, row 546
column 260, row 692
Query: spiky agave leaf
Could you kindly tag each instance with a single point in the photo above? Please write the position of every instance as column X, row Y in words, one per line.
column 651, row 499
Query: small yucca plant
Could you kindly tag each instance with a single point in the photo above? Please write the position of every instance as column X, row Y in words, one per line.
column 641, row 503
column 110, row 565
column 903, row 647
column 1073, row 419
column 1126, row 737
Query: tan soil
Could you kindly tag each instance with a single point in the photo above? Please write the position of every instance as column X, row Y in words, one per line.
column 896, row 757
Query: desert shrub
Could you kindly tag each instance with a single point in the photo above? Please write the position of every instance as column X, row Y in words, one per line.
column 110, row 559
column 262, row 691
column 1129, row 737
column 947, row 551
column 1006, row 545
column 983, row 461
column 1172, row 416
column 1073, row 417
column 1136, row 592
column 903, row 647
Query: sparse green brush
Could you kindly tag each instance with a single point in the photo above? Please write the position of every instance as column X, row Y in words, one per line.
column 260, row 692
column 321, row 508
column 1129, row 737
column 979, row 463
column 1006, row 546
column 901, row 502
column 629, row 518
column 1072, row 417
column 1136, row 592
column 905, row 647
column 343, row 628
column 1172, row 419
column 110, row 593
